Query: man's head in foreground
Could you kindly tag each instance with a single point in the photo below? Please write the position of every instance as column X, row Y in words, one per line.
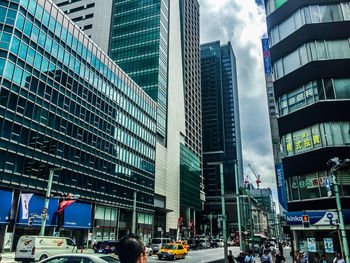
column 131, row 249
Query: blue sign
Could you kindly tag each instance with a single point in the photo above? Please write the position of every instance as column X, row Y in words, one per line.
column 5, row 207
column 266, row 55
column 77, row 215
column 281, row 187
column 325, row 218
column 34, row 206
column 328, row 245
column 328, row 184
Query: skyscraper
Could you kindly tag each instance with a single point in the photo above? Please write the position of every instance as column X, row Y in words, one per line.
column 310, row 57
column 189, row 10
column 67, row 108
column 145, row 41
column 221, row 123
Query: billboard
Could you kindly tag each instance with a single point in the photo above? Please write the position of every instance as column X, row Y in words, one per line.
column 281, row 187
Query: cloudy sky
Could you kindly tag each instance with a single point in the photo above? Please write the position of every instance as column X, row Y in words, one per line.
column 243, row 23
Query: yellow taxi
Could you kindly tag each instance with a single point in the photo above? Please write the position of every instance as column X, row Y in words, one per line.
column 183, row 243
column 172, row 251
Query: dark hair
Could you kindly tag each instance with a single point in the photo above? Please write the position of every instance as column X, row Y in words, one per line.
column 130, row 248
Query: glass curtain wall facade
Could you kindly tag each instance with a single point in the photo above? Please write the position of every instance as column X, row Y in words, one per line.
column 310, row 57
column 139, row 45
column 221, row 125
column 65, row 104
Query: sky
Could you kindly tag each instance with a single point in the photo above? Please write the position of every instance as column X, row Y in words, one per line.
column 243, row 23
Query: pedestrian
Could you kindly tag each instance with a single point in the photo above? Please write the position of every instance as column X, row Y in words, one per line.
column 324, row 259
column 273, row 252
column 338, row 258
column 240, row 258
column 261, row 250
column 279, row 257
column 230, row 257
column 265, row 258
column 317, row 258
column 303, row 259
column 131, row 249
column 249, row 258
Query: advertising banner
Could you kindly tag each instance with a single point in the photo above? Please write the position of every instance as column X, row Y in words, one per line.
column 311, row 244
column 328, row 245
column 281, row 187
column 266, row 56
column 324, row 218
column 77, row 215
column 5, row 207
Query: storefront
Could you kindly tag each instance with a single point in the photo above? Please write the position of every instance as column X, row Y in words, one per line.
column 144, row 226
column 77, row 223
column 105, row 223
column 30, row 213
column 320, row 234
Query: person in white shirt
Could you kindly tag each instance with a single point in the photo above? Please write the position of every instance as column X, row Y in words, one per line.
column 338, row 258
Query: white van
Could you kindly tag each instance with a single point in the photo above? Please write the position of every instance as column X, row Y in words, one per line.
column 158, row 243
column 36, row 248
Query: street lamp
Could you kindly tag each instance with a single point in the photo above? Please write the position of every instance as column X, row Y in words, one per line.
column 336, row 166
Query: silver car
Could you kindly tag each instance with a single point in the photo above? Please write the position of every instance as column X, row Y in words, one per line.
column 81, row 258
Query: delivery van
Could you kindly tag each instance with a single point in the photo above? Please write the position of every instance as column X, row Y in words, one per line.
column 36, row 248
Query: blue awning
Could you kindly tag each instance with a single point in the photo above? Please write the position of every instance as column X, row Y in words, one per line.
column 35, row 205
column 77, row 215
column 5, row 207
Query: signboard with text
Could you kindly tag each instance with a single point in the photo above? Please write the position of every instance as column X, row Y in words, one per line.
column 325, row 218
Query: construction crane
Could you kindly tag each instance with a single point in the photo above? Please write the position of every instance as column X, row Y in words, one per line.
column 257, row 176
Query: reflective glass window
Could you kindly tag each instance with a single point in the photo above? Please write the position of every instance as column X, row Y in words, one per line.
column 342, row 88
column 23, row 51
column 46, row 19
column 325, row 13
column 338, row 48
column 10, row 67
column 15, row 45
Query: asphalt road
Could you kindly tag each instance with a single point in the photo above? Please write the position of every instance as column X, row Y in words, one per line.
column 200, row 256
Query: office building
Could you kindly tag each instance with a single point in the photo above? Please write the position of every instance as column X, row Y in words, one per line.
column 189, row 10
column 66, row 106
column 221, row 125
column 145, row 41
column 310, row 57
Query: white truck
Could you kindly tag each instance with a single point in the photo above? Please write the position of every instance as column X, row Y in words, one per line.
column 36, row 248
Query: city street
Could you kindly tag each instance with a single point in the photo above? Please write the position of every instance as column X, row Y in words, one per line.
column 196, row 256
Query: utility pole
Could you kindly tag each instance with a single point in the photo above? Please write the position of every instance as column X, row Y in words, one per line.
column 337, row 165
column 223, row 210
column 238, row 207
column 211, row 225
column 133, row 227
column 46, row 205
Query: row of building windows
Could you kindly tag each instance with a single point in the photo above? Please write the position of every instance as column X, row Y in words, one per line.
column 70, row 42
column 312, row 51
column 313, row 186
column 308, row 15
column 315, row 137
column 323, row 89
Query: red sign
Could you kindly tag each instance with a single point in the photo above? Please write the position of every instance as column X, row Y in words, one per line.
column 179, row 222
column 63, row 205
column 191, row 223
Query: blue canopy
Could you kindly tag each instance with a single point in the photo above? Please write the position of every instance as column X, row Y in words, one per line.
column 77, row 215
column 5, row 207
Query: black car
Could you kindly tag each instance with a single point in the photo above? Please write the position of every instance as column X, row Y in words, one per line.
column 106, row 247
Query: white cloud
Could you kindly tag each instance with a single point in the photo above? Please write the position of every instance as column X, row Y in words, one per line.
column 243, row 23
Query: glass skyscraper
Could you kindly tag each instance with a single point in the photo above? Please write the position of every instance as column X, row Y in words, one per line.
column 65, row 105
column 139, row 45
column 221, row 123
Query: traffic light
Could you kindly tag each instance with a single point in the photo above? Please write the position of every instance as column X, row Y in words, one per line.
column 306, row 221
column 30, row 221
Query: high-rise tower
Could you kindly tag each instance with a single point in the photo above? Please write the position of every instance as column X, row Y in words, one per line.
column 310, row 58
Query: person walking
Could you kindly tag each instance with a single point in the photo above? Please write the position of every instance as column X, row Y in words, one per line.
column 338, row 258
column 249, row 258
column 324, row 259
column 317, row 258
column 261, row 250
column 131, row 249
column 273, row 252
column 265, row 258
column 279, row 257
column 240, row 258
column 230, row 257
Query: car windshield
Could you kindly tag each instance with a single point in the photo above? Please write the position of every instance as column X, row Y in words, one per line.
column 156, row 241
column 170, row 247
column 109, row 259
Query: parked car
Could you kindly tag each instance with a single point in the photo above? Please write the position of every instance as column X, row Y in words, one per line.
column 203, row 243
column 106, row 247
column 35, row 248
column 78, row 258
column 219, row 242
column 158, row 243
column 172, row 251
column 193, row 244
